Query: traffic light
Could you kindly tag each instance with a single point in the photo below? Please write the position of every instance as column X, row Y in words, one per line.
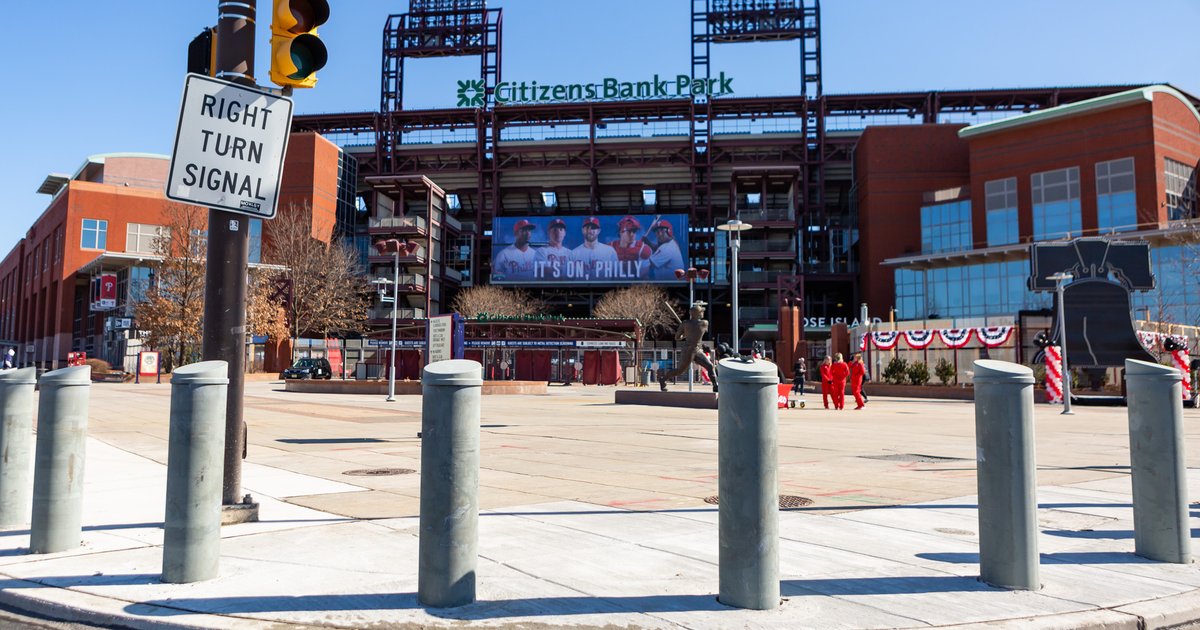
column 296, row 51
column 202, row 53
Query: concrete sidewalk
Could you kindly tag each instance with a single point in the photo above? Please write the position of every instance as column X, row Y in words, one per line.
column 583, row 563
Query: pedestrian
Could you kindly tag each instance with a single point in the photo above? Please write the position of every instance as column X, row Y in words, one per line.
column 857, row 373
column 826, row 380
column 799, row 371
column 10, row 359
column 504, row 369
column 837, row 375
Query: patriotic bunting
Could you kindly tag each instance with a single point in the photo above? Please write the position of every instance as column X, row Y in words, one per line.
column 918, row 339
column 862, row 344
column 955, row 337
column 993, row 336
column 885, row 340
column 1148, row 339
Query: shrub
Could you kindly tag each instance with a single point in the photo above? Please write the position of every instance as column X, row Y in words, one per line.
column 99, row 366
column 944, row 370
column 918, row 373
column 895, row 371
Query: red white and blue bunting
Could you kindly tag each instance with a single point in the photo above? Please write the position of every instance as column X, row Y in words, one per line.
column 993, row 336
column 885, row 339
column 955, row 337
column 918, row 339
column 862, row 344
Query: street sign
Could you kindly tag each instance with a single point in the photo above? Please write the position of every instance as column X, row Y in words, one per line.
column 229, row 147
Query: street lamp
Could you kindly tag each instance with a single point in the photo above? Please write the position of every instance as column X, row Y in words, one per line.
column 1059, row 279
column 735, row 227
column 691, row 273
column 396, row 249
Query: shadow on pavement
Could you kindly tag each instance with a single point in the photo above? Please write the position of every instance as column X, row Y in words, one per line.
column 1069, row 557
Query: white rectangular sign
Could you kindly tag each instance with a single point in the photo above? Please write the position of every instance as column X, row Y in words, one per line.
column 229, row 147
column 441, row 328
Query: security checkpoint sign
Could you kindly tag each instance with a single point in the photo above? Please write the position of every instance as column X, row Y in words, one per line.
column 229, row 147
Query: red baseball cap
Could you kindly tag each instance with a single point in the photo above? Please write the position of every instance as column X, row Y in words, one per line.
column 663, row 224
column 557, row 223
column 630, row 221
column 523, row 224
column 592, row 221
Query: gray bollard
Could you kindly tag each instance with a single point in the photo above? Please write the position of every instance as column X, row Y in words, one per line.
column 57, row 520
column 748, row 486
column 1160, row 505
column 1008, row 554
column 16, row 446
column 449, row 531
column 195, row 464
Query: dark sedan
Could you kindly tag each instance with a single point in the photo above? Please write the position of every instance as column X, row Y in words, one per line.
column 309, row 369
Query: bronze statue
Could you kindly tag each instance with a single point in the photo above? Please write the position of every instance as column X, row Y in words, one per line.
column 692, row 331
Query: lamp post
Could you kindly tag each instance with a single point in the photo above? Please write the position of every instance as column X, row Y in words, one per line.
column 735, row 227
column 395, row 248
column 1059, row 279
column 691, row 273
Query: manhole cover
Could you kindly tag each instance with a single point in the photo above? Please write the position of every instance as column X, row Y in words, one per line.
column 954, row 532
column 913, row 457
column 378, row 472
column 785, row 501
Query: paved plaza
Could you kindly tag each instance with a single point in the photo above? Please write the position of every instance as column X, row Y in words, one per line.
column 594, row 515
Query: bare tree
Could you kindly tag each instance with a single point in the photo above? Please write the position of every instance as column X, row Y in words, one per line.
column 173, row 303
column 643, row 302
column 495, row 301
column 328, row 292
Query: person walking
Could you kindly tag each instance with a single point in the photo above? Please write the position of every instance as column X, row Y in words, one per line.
column 857, row 372
column 837, row 375
column 799, row 370
column 826, row 380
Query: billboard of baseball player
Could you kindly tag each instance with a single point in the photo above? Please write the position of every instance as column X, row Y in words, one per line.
column 599, row 249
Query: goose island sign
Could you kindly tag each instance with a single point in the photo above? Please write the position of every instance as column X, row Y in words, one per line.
column 471, row 91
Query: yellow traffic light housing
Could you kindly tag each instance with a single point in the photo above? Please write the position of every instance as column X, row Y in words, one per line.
column 296, row 51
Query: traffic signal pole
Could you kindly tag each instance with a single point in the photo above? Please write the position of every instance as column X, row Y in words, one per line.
column 224, row 335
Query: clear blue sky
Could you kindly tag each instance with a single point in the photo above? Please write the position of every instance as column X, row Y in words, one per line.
column 88, row 77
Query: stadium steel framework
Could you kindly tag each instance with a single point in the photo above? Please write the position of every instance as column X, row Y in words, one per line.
column 780, row 163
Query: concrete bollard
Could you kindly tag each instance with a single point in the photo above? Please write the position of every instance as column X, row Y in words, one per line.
column 16, row 446
column 1008, row 553
column 1160, row 505
column 57, row 520
column 195, row 463
column 449, row 530
column 748, row 486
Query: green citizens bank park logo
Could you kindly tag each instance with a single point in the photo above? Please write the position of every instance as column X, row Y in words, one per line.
column 471, row 91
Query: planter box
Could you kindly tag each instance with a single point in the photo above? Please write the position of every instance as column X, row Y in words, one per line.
column 944, row 392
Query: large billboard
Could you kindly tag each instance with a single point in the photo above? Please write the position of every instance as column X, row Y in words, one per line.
column 609, row 249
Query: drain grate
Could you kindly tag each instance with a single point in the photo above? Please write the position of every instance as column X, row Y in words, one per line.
column 786, row 501
column 913, row 457
column 379, row 472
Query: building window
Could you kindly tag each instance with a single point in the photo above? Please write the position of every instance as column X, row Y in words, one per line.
column 1056, row 211
column 140, row 238
column 1000, row 203
column 95, row 234
column 1116, row 201
column 946, row 227
column 1181, row 190
column 649, row 197
column 549, row 200
column 979, row 290
column 255, row 254
column 453, row 203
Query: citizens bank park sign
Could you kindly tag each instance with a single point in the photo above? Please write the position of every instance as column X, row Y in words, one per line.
column 471, row 91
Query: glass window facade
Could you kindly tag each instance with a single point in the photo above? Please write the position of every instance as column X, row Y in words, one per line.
column 1181, row 190
column 979, row 290
column 1176, row 296
column 1116, row 201
column 946, row 227
column 1056, row 212
column 1001, row 211
column 95, row 234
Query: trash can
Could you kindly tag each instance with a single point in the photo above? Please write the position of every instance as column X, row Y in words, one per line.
column 647, row 377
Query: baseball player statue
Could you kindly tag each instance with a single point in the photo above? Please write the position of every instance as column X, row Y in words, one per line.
column 692, row 332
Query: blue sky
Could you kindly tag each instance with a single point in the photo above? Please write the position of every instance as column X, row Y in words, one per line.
column 89, row 77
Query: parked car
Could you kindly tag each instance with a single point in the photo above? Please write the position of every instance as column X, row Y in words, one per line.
column 309, row 369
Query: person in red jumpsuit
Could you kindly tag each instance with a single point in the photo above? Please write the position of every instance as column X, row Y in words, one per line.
column 826, row 382
column 857, row 372
column 837, row 374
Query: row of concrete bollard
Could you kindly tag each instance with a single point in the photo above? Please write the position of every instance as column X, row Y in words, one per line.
column 1008, row 552
column 192, row 528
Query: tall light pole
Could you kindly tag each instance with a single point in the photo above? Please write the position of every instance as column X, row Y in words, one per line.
column 1059, row 279
column 735, row 227
column 691, row 273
